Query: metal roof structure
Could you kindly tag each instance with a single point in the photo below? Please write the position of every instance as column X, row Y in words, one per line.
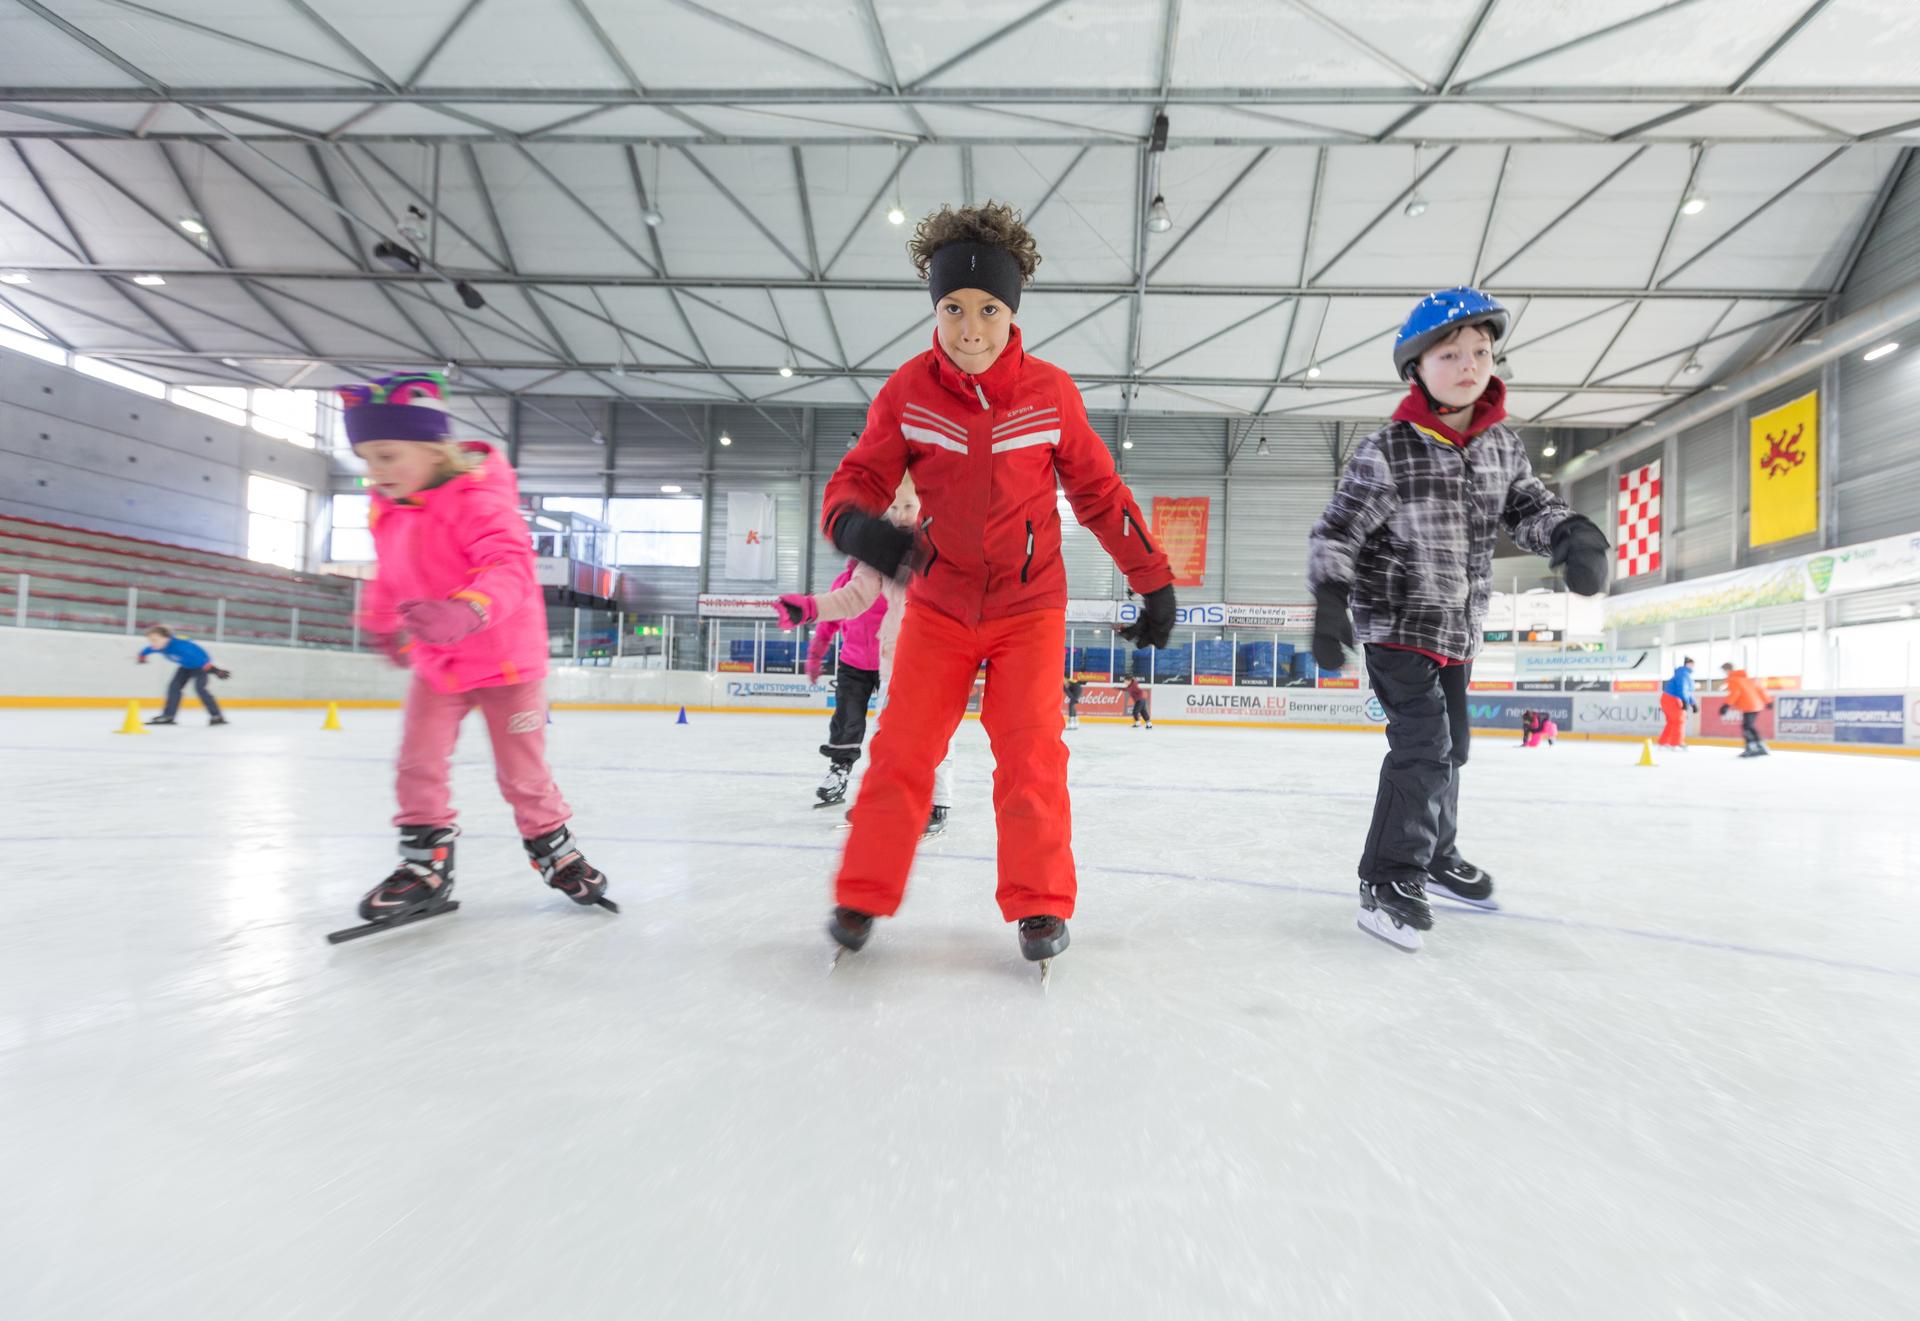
column 1323, row 167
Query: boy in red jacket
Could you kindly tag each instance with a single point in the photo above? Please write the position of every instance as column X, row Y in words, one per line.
column 988, row 432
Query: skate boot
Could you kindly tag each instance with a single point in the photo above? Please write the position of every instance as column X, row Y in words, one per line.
column 1462, row 881
column 218, row 720
column 561, row 865
column 161, row 720
column 1042, row 937
column 1395, row 911
column 833, row 789
column 850, row 928
column 422, row 884
column 936, row 823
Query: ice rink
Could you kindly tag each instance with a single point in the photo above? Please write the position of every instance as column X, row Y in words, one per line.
column 1677, row 1077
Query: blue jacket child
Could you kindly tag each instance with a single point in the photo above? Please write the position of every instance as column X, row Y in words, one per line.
column 1681, row 686
column 195, row 667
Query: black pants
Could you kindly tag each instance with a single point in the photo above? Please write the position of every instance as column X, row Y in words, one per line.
column 178, row 685
column 1416, row 811
column 1140, row 712
column 1750, row 730
column 852, row 687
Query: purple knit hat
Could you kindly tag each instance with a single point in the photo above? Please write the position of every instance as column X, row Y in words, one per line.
column 402, row 407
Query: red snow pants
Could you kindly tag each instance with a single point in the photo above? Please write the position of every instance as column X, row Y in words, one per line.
column 1675, row 734
column 934, row 664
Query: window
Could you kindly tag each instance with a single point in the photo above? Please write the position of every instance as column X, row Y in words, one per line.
column 17, row 333
column 228, row 403
column 660, row 533
column 572, row 504
column 120, row 376
column 291, row 415
column 348, row 537
column 276, row 521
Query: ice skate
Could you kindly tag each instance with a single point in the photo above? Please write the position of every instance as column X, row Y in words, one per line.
column 1395, row 911
column 419, row 888
column 561, row 865
column 833, row 789
column 1041, row 938
column 936, row 823
column 850, row 929
column 1463, row 882
column 161, row 720
column 218, row 720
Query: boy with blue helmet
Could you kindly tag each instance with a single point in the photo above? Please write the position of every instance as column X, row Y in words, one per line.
column 1402, row 561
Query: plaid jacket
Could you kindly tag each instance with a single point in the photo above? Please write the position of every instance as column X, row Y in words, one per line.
column 1411, row 531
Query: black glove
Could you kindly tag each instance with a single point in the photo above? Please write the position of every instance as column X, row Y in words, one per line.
column 1582, row 548
column 219, row 673
column 1332, row 628
column 1154, row 627
column 1723, row 710
column 1694, row 707
column 895, row 552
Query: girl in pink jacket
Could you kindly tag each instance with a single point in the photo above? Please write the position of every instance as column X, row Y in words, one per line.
column 455, row 599
column 866, row 611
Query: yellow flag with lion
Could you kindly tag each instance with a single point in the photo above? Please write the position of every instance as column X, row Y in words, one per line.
column 1784, row 471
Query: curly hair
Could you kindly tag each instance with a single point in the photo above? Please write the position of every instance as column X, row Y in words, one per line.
column 991, row 222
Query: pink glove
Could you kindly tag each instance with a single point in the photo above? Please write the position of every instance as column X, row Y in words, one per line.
column 142, row 658
column 390, row 646
column 795, row 609
column 817, row 654
column 441, row 623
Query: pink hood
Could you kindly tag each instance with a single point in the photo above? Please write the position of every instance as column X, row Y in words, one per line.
column 465, row 540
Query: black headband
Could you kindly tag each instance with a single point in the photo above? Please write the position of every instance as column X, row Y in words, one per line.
column 983, row 266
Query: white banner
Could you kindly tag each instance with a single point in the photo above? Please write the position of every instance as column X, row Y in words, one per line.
column 1889, row 562
column 1206, row 614
column 750, row 529
column 1586, row 662
column 736, row 607
column 1618, row 713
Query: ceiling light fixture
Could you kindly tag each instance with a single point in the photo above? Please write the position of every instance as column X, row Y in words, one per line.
column 599, row 437
column 1313, row 371
column 149, row 281
column 669, row 490
column 193, row 224
column 451, row 370
column 1416, row 205
column 1159, row 219
column 1126, row 444
column 897, row 214
column 15, row 277
column 652, row 214
column 725, row 439
column 786, row 369
column 1875, row 354
column 1693, row 365
column 1548, row 450
column 1261, row 448
column 1693, row 206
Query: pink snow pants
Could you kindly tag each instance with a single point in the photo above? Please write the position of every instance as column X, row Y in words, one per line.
column 516, row 718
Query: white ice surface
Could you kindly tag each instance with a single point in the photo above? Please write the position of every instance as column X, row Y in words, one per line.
column 1678, row 1077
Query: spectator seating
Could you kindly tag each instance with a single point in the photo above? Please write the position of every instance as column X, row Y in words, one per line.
column 80, row 579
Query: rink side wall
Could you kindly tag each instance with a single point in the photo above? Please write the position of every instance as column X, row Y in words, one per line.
column 52, row 668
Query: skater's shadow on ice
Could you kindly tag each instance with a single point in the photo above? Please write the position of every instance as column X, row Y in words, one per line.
column 951, row 957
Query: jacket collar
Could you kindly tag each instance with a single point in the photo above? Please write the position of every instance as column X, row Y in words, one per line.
column 997, row 382
column 1489, row 408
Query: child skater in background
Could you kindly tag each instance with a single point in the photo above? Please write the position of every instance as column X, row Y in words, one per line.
column 194, row 665
column 859, row 597
column 1408, row 542
column 989, row 433
column 1137, row 702
column 1748, row 698
column 1677, row 697
column 455, row 599
column 856, row 679
column 1074, row 690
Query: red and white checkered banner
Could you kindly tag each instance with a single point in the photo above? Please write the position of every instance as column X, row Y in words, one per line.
column 1637, row 533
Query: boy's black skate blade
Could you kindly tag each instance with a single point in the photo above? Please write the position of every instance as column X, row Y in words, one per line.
column 390, row 923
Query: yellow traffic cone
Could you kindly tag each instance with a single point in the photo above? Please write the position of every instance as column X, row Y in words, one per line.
column 1646, row 752
column 333, row 717
column 132, row 725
